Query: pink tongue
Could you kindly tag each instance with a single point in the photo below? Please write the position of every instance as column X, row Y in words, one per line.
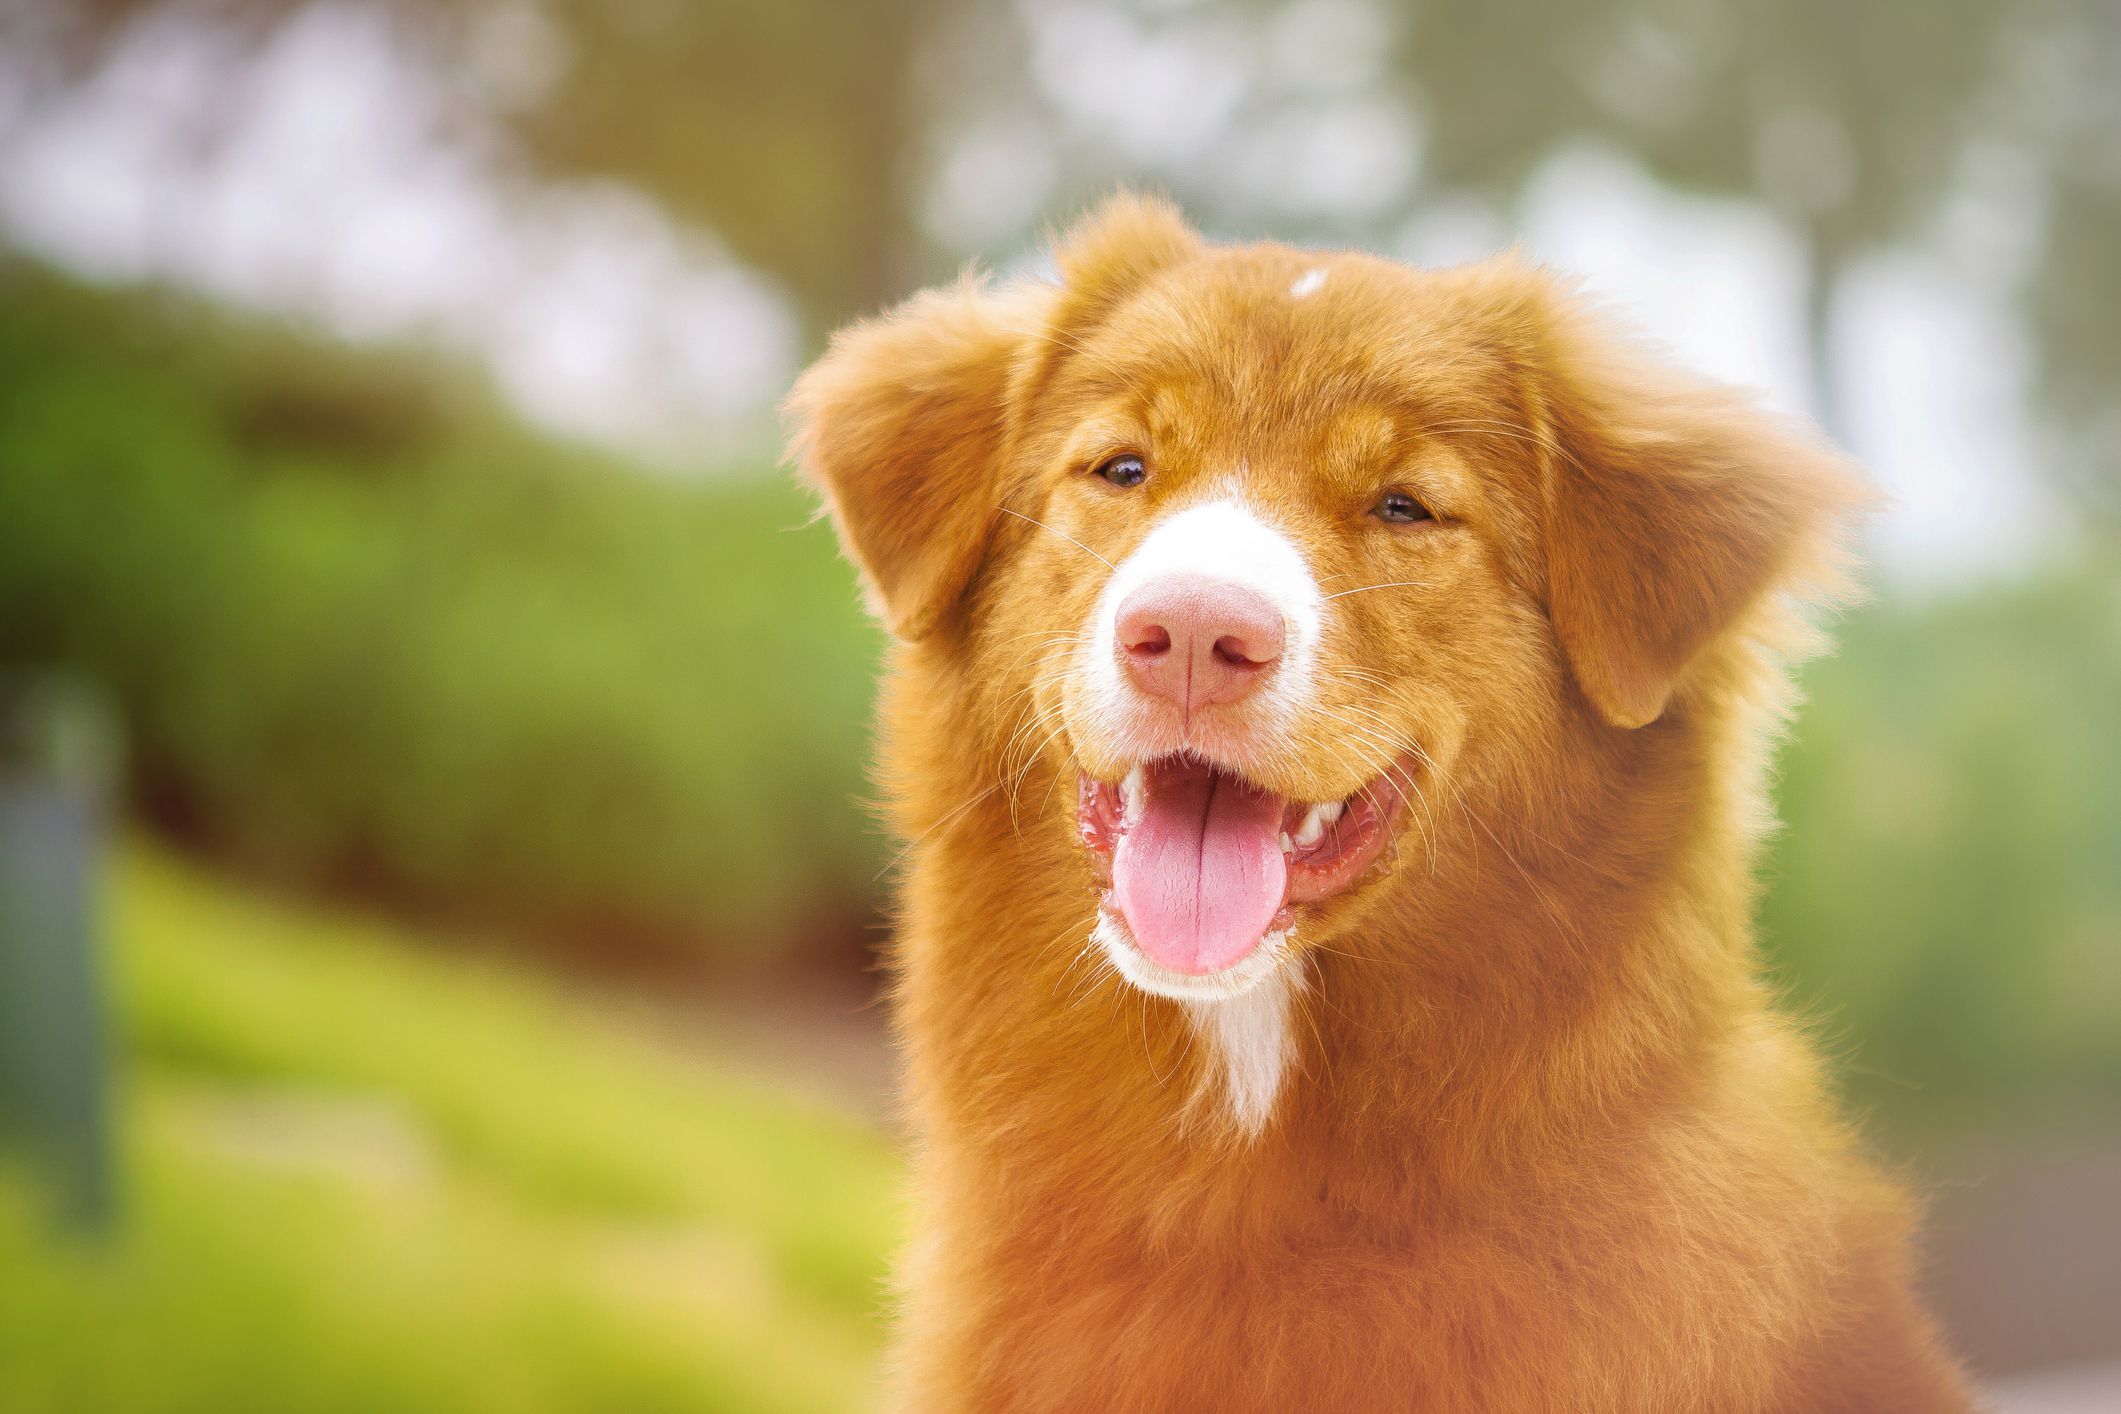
column 1201, row 874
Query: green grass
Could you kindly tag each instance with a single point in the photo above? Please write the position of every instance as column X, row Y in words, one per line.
column 364, row 1173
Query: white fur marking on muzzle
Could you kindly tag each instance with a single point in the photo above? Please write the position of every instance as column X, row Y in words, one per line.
column 1228, row 542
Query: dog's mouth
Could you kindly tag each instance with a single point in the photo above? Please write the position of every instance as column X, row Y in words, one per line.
column 1202, row 865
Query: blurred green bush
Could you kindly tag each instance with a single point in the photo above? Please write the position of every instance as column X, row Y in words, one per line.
column 367, row 634
column 1945, row 895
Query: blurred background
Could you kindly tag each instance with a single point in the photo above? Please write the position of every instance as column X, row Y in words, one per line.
column 436, row 975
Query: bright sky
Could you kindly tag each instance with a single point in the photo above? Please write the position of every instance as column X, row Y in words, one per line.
column 345, row 193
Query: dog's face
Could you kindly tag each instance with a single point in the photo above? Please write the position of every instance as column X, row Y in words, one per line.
column 1272, row 566
column 1272, row 552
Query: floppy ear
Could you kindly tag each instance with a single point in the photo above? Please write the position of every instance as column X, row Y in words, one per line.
column 902, row 426
column 1672, row 505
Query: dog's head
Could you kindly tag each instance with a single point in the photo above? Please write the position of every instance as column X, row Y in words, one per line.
column 1260, row 545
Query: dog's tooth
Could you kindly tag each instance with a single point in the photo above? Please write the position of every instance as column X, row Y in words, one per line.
column 1315, row 821
column 1286, row 846
column 1130, row 796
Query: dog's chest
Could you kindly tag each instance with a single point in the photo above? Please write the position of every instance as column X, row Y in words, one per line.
column 1349, row 1327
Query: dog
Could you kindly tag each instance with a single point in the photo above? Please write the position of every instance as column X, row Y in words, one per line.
column 1328, row 711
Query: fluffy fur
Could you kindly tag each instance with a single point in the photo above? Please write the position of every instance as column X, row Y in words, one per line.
column 1544, row 1142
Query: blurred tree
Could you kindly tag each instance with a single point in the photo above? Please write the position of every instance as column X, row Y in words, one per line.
column 2073, row 109
column 1848, row 119
column 790, row 129
column 805, row 133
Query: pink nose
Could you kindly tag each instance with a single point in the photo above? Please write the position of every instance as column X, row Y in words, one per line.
column 1194, row 641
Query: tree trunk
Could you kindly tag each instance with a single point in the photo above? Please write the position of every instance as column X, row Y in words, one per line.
column 1822, row 276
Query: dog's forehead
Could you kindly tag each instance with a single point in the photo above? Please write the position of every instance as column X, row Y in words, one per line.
column 1342, row 348
column 1307, row 444
column 1229, row 372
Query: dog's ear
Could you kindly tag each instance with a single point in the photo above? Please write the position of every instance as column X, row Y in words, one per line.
column 902, row 427
column 1671, row 505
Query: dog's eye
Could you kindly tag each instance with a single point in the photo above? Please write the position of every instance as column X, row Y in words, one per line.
column 1399, row 508
column 1123, row 470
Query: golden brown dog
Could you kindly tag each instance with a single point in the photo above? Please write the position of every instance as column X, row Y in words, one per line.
column 1329, row 710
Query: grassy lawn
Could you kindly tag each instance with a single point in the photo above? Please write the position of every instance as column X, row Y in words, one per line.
column 363, row 1173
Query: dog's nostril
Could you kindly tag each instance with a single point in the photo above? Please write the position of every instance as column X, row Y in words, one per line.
column 1152, row 642
column 1236, row 652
